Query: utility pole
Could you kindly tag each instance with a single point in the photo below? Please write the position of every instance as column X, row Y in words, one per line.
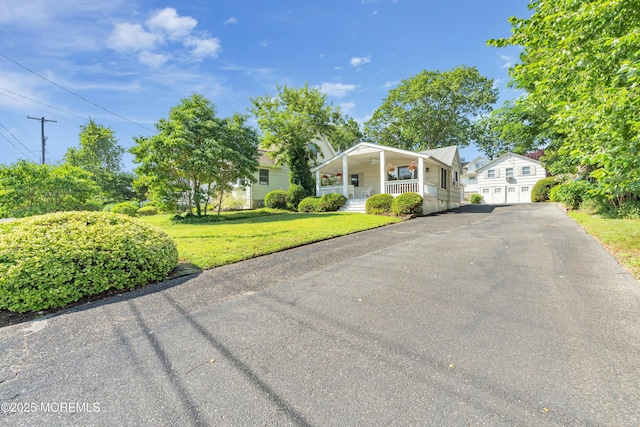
column 42, row 121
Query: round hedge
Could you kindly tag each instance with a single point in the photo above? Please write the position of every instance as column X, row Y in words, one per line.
column 295, row 194
column 379, row 204
column 332, row 202
column 276, row 199
column 309, row 204
column 126, row 208
column 49, row 261
column 407, row 204
column 542, row 188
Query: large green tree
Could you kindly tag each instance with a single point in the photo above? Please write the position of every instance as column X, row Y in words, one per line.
column 580, row 64
column 432, row 109
column 346, row 133
column 195, row 153
column 290, row 122
column 100, row 154
column 27, row 188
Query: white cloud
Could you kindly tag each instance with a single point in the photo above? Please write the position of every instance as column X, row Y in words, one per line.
column 509, row 61
column 264, row 43
column 204, row 47
column 389, row 84
column 130, row 37
column 168, row 21
column 358, row 61
column 231, row 20
column 337, row 68
column 348, row 107
column 336, row 89
column 153, row 60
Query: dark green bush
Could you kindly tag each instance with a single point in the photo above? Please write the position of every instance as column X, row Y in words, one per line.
column 126, row 208
column 309, row 204
column 295, row 194
column 476, row 198
column 540, row 191
column 92, row 205
column 407, row 204
column 51, row 260
column 332, row 202
column 276, row 199
column 570, row 193
column 148, row 210
column 379, row 204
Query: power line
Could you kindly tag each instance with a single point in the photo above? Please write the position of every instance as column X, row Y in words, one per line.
column 46, row 105
column 14, row 137
column 75, row 94
column 44, row 138
column 15, row 146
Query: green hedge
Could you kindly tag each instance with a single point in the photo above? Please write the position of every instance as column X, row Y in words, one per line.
column 276, row 199
column 332, row 202
column 571, row 193
column 126, row 208
column 147, row 210
column 476, row 198
column 309, row 204
column 379, row 204
column 542, row 188
column 407, row 204
column 51, row 260
column 295, row 194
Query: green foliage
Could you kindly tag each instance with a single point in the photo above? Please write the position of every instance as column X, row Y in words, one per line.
column 540, row 191
column 276, row 199
column 432, row 109
column 232, row 203
column 126, row 208
column 346, row 133
column 571, row 193
column 195, row 155
column 579, row 64
column 331, row 202
column 295, row 194
column 92, row 205
column 52, row 260
column 309, row 204
column 476, row 198
column 27, row 188
column 290, row 122
column 147, row 210
column 379, row 204
column 407, row 204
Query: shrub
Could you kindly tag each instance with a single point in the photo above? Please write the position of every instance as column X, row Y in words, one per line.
column 309, row 204
column 92, row 205
column 476, row 198
column 148, row 210
column 276, row 199
column 232, row 203
column 540, row 191
column 51, row 260
column 379, row 204
column 295, row 194
column 332, row 202
column 126, row 208
column 407, row 204
column 570, row 193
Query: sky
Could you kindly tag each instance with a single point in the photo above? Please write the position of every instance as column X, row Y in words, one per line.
column 126, row 63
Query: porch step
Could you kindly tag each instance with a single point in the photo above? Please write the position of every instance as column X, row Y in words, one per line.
column 354, row 205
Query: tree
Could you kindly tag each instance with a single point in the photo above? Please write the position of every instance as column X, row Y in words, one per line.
column 432, row 109
column 580, row 63
column 290, row 122
column 100, row 154
column 195, row 153
column 346, row 133
column 27, row 188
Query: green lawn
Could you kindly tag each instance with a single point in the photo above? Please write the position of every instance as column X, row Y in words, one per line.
column 246, row 235
column 620, row 236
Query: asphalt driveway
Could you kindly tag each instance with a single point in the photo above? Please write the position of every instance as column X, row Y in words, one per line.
column 483, row 316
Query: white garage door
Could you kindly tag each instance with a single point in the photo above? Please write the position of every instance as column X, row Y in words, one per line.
column 506, row 194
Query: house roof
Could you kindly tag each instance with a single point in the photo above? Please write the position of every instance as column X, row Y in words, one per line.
column 507, row 155
column 445, row 154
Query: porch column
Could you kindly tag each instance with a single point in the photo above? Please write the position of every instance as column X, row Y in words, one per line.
column 318, row 182
column 383, row 172
column 345, row 174
column 421, row 176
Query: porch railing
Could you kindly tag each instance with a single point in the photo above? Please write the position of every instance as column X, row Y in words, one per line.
column 330, row 189
column 404, row 186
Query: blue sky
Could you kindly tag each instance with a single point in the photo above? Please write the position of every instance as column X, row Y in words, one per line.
column 125, row 63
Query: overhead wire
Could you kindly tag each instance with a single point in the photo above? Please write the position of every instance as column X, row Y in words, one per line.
column 15, row 146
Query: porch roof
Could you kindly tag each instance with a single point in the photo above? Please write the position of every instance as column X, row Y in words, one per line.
column 366, row 151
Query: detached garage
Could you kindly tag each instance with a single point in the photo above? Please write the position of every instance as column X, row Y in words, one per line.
column 509, row 179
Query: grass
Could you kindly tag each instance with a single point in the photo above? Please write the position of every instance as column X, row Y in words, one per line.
column 210, row 242
column 620, row 236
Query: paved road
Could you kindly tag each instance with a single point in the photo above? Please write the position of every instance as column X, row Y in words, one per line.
column 484, row 316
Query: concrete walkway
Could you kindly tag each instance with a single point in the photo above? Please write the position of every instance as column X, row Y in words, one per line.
column 483, row 316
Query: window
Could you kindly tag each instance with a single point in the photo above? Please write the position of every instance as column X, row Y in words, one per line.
column 497, row 190
column 443, row 178
column 526, row 170
column 511, row 189
column 478, row 165
column 472, row 179
column 404, row 172
column 455, row 178
column 491, row 173
column 509, row 172
column 263, row 179
column 485, row 191
column 525, row 189
column 355, row 180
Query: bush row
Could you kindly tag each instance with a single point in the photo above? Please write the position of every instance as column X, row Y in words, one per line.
column 404, row 204
column 327, row 203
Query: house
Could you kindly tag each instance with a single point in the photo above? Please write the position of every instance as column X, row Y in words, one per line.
column 509, row 179
column 469, row 177
column 272, row 176
column 366, row 169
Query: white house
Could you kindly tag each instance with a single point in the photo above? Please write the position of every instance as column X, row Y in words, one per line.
column 469, row 176
column 508, row 179
column 366, row 169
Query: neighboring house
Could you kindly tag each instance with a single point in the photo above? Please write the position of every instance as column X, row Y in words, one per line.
column 469, row 176
column 509, row 179
column 366, row 169
column 271, row 176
